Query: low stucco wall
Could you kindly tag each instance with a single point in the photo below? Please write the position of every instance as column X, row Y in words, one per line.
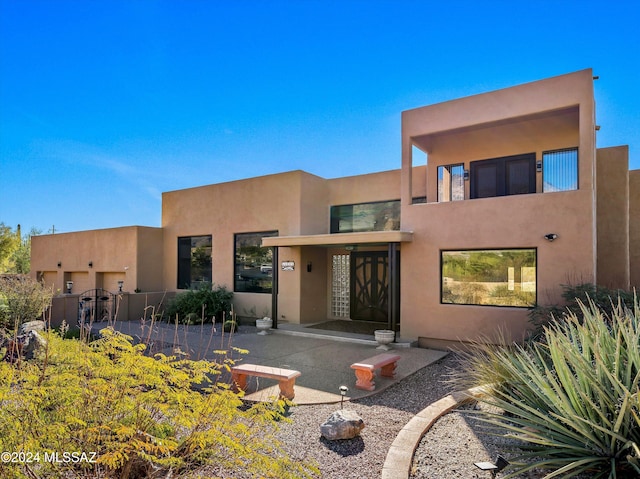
column 129, row 307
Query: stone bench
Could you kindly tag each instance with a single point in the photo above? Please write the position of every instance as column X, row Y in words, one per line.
column 365, row 369
column 286, row 377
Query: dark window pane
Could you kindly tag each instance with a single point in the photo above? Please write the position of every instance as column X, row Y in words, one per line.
column 194, row 261
column 379, row 216
column 520, row 174
column 509, row 175
column 253, row 263
column 485, row 178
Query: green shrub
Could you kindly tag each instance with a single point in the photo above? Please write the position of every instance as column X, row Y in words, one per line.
column 572, row 399
column 22, row 299
column 205, row 303
column 605, row 299
column 142, row 416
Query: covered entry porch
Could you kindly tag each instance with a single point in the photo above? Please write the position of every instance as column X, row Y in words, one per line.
column 348, row 279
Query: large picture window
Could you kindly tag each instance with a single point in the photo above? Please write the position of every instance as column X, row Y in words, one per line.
column 505, row 277
column 378, row 216
column 194, row 261
column 509, row 175
column 253, row 263
column 560, row 170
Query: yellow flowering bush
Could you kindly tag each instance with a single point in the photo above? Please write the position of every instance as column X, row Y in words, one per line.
column 107, row 409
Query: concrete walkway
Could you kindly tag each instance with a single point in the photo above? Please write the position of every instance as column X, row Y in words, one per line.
column 323, row 357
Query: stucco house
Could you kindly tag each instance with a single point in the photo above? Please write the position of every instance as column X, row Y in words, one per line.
column 514, row 201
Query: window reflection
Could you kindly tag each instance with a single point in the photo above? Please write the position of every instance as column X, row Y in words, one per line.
column 194, row 261
column 379, row 216
column 253, row 263
column 560, row 170
column 489, row 277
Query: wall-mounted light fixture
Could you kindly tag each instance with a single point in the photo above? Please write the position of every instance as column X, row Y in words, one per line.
column 597, row 127
column 551, row 236
column 538, row 166
column 309, row 267
column 466, row 175
column 59, row 264
column 69, row 286
column 350, row 247
column 120, row 285
column 90, row 264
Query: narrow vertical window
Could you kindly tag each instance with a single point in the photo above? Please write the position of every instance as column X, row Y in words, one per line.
column 451, row 183
column 340, row 286
column 560, row 170
column 194, row 261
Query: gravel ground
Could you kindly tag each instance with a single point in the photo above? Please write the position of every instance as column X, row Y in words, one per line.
column 384, row 414
column 447, row 451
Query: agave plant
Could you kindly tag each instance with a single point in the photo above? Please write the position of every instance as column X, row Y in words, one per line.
column 572, row 399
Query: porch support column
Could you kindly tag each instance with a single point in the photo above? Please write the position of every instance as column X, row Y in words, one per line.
column 274, row 287
column 394, row 287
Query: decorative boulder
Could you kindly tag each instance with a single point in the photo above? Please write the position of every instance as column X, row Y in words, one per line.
column 343, row 424
column 29, row 326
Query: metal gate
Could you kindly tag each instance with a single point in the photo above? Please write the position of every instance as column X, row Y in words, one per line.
column 95, row 305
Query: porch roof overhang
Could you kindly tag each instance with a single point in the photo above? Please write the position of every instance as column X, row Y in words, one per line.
column 338, row 239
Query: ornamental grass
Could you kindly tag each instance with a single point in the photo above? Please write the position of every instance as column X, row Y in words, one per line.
column 571, row 399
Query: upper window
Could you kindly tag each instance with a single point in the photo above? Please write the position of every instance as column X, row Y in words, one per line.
column 560, row 170
column 378, row 216
column 253, row 263
column 194, row 261
column 509, row 175
column 450, row 183
column 505, row 277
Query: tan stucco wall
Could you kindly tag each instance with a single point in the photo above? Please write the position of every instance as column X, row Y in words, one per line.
column 115, row 254
column 149, row 265
column 634, row 228
column 549, row 114
column 613, row 217
column 373, row 187
column 273, row 202
column 545, row 115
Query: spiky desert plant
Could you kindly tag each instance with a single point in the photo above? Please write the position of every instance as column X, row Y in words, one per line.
column 572, row 399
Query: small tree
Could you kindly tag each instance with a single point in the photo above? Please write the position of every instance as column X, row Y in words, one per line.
column 9, row 242
column 22, row 299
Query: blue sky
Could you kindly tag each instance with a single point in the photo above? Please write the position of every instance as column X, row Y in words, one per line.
column 106, row 104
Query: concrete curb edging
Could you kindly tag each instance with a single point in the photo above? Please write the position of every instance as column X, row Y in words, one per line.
column 397, row 464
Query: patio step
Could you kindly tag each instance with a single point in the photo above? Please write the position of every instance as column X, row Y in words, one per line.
column 305, row 332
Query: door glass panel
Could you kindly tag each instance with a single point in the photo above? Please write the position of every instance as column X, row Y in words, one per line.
column 486, row 180
column 519, row 177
